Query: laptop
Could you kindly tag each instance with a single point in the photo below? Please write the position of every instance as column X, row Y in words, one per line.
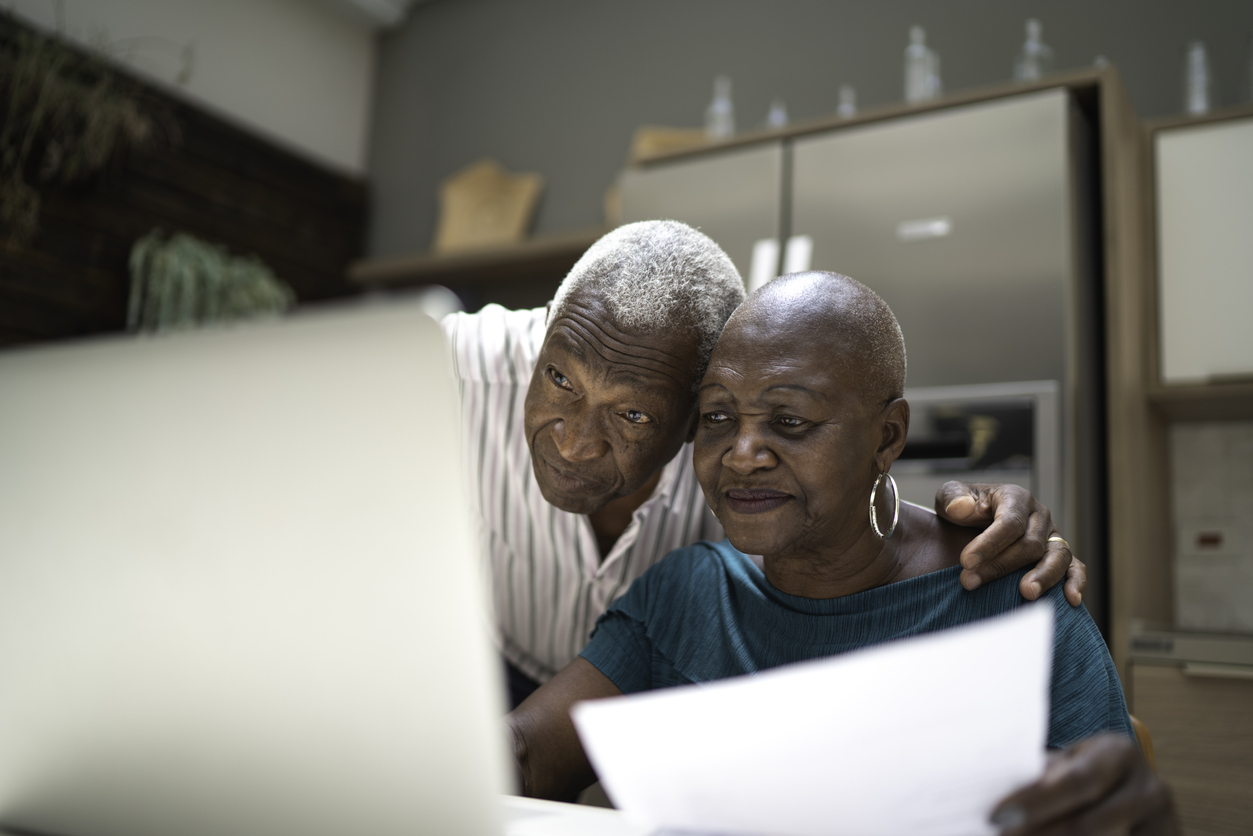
column 238, row 587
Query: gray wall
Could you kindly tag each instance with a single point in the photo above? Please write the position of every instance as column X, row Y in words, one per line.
column 559, row 86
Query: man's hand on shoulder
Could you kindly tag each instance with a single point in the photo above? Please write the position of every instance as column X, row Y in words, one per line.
column 1018, row 534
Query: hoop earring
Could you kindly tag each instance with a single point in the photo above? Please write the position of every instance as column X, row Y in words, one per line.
column 896, row 511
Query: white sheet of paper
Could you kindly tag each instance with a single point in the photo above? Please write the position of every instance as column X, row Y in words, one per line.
column 921, row 736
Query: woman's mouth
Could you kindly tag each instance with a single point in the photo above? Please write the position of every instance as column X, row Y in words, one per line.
column 755, row 501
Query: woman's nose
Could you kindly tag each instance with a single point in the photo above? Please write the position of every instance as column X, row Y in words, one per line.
column 748, row 452
column 578, row 437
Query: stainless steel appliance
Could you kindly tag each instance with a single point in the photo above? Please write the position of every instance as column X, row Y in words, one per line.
column 977, row 223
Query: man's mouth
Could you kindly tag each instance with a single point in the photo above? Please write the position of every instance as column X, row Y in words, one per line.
column 755, row 501
column 568, row 482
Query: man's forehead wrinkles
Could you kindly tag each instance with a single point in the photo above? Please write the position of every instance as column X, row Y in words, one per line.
column 599, row 349
column 618, row 366
column 597, row 331
column 627, row 372
column 650, row 366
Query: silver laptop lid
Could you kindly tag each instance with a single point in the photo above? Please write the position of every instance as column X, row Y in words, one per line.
column 238, row 592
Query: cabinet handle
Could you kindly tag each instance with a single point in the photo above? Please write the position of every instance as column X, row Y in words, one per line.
column 1217, row 671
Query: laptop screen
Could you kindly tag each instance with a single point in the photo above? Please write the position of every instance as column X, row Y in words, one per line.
column 238, row 591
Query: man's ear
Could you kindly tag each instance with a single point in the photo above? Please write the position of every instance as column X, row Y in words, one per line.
column 693, row 424
column 895, row 428
column 548, row 309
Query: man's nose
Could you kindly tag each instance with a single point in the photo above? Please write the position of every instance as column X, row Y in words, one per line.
column 749, row 451
column 578, row 437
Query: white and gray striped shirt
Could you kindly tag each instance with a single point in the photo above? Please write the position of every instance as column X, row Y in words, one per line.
column 548, row 582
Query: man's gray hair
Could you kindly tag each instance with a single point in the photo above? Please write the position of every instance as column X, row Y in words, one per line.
column 658, row 276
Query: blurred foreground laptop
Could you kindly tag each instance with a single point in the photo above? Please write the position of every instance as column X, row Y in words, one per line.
column 238, row 591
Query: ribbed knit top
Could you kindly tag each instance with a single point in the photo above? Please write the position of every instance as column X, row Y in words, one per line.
column 707, row 612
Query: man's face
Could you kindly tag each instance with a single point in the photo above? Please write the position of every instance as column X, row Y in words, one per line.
column 607, row 409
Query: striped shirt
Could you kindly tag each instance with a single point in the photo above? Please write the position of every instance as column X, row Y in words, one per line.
column 548, row 583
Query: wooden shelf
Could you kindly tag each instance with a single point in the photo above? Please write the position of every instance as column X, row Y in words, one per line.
column 541, row 258
column 1205, row 401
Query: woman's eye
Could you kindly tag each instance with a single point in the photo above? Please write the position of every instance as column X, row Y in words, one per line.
column 636, row 417
column 559, row 379
column 790, row 422
column 715, row 417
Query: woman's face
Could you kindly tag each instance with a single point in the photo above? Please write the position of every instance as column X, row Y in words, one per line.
column 786, row 451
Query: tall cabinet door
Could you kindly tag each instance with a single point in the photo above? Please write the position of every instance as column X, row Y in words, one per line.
column 959, row 219
column 733, row 196
column 1205, row 251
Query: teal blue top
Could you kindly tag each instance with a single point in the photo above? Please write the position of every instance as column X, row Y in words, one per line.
column 707, row 612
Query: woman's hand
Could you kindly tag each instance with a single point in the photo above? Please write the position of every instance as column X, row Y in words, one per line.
column 1097, row 786
column 1018, row 536
column 549, row 757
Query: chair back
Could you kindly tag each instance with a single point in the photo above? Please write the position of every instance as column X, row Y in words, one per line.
column 1145, row 741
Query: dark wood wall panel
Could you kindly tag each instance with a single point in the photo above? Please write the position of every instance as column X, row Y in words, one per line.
column 215, row 180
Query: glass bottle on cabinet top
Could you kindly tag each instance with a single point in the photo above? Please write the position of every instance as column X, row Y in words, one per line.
column 1248, row 72
column 922, row 68
column 720, row 115
column 1035, row 59
column 777, row 117
column 1196, row 80
column 848, row 101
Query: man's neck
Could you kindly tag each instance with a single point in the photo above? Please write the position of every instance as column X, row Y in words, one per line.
column 609, row 521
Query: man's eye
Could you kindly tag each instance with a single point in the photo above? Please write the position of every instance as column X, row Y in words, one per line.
column 636, row 417
column 559, row 379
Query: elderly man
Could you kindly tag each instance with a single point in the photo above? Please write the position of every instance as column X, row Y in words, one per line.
column 577, row 420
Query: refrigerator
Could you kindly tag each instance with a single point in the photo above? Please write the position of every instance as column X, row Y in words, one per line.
column 978, row 223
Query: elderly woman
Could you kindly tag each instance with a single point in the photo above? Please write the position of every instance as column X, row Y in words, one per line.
column 800, row 420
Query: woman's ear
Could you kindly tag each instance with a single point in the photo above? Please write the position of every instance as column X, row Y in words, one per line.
column 895, row 426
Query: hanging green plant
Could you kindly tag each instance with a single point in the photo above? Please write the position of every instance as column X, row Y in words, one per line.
column 68, row 115
column 182, row 282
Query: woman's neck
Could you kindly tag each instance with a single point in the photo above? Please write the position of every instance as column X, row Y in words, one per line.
column 921, row 544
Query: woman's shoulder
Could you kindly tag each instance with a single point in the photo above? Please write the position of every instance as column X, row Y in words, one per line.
column 700, row 557
column 936, row 543
column 693, row 571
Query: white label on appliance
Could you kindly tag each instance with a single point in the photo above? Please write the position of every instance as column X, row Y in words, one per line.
column 799, row 252
column 765, row 262
column 924, row 228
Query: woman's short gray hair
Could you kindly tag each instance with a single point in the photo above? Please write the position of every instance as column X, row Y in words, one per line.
column 656, row 276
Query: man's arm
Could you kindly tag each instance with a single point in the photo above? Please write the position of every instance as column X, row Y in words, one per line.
column 550, row 760
column 1018, row 536
column 1099, row 785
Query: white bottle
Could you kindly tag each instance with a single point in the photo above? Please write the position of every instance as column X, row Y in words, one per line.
column 777, row 117
column 720, row 115
column 848, row 102
column 1036, row 59
column 1248, row 70
column 1196, row 80
column 922, row 68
